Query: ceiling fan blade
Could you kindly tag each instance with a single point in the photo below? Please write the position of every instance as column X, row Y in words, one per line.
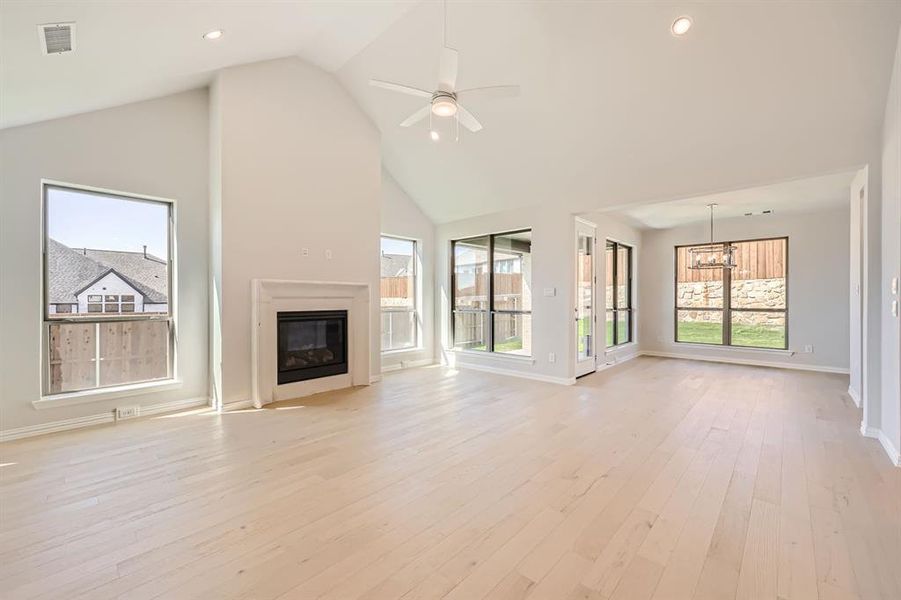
column 397, row 87
column 467, row 120
column 491, row 91
column 416, row 117
column 447, row 72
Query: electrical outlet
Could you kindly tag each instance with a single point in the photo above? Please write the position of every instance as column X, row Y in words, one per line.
column 304, row 251
column 551, row 357
column 808, row 349
column 127, row 412
column 328, row 254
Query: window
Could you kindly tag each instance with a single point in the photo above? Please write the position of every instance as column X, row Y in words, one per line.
column 618, row 293
column 492, row 293
column 745, row 306
column 398, row 294
column 107, row 284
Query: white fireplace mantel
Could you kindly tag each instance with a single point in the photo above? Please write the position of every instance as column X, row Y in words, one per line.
column 270, row 296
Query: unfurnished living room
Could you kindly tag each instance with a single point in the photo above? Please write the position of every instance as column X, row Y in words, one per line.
column 450, row 299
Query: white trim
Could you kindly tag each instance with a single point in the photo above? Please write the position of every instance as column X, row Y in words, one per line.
column 408, row 364
column 727, row 347
column 97, row 419
column 618, row 360
column 521, row 374
column 875, row 433
column 753, row 363
column 499, row 356
column 107, row 393
column 239, row 405
column 855, row 397
column 375, row 378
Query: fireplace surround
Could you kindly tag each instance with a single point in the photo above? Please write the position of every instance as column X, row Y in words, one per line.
column 269, row 297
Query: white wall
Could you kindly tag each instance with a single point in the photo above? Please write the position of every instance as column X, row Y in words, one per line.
column 299, row 167
column 553, row 266
column 818, row 273
column 890, row 404
column 158, row 148
column 402, row 217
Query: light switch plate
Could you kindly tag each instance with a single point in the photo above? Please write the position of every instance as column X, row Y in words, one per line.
column 549, row 292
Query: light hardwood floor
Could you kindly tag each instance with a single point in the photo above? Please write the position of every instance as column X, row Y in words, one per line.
column 658, row 478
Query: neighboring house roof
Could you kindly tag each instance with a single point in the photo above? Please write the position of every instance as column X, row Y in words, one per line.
column 396, row 265
column 70, row 271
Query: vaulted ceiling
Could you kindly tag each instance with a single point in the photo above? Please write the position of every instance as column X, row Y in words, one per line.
column 614, row 109
column 138, row 49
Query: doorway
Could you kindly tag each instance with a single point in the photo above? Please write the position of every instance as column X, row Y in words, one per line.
column 585, row 321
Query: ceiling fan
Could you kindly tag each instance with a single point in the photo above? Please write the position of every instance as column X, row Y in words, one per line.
column 444, row 101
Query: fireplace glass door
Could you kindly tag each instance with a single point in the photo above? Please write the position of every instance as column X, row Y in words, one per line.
column 311, row 344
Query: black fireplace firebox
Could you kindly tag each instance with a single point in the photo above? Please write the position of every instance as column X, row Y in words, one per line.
column 311, row 344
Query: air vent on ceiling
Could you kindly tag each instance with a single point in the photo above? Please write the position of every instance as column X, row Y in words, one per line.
column 57, row 38
column 768, row 211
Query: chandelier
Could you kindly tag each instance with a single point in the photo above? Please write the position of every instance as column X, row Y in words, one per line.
column 712, row 255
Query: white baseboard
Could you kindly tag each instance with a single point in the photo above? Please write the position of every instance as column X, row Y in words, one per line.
column 521, row 374
column 240, row 405
column 618, row 359
column 748, row 362
column 854, row 396
column 408, row 364
column 374, row 379
column 878, row 434
column 97, row 419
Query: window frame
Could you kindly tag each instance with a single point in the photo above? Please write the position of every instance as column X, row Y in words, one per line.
column 489, row 312
column 415, row 310
column 727, row 310
column 629, row 310
column 98, row 318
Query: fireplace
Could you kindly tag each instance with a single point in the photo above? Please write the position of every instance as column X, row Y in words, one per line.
column 311, row 344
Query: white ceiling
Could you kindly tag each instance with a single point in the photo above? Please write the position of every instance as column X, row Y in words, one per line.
column 789, row 197
column 614, row 109
column 134, row 50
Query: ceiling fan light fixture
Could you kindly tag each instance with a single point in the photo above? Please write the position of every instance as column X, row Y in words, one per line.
column 444, row 106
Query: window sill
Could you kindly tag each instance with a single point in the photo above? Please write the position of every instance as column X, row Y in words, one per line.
column 496, row 356
column 402, row 351
column 620, row 347
column 107, row 393
column 777, row 351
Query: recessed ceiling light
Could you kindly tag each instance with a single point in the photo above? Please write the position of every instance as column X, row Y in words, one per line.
column 213, row 35
column 681, row 26
column 434, row 135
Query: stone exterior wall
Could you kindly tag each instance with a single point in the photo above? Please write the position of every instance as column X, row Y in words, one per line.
column 748, row 293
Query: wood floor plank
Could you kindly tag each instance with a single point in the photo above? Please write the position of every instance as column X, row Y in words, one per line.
column 657, row 478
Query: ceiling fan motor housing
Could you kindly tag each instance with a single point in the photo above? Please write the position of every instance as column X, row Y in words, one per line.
column 444, row 104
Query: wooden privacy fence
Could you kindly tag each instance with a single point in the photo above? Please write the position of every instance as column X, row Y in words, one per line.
column 477, row 285
column 762, row 259
column 396, row 287
column 88, row 355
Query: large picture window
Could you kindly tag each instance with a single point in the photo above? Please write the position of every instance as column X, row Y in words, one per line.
column 107, row 290
column 744, row 306
column 492, row 293
column 398, row 294
column 618, row 293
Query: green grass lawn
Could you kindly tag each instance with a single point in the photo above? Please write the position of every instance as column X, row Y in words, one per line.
column 510, row 345
column 758, row 336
